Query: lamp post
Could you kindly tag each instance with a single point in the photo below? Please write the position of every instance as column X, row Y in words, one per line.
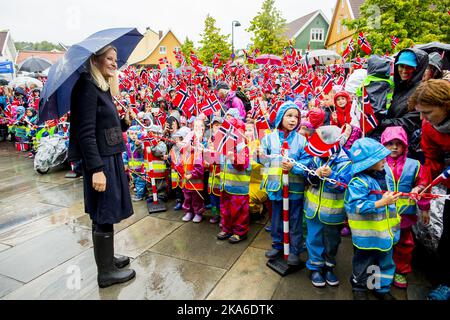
column 234, row 23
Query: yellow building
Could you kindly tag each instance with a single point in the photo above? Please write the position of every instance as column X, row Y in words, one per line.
column 339, row 35
column 153, row 47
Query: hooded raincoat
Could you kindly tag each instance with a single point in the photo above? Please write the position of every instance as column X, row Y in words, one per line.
column 398, row 114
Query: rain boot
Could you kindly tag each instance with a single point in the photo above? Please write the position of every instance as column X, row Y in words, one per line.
column 108, row 273
column 119, row 261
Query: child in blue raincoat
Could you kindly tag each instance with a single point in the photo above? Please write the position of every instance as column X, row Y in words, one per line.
column 373, row 220
column 324, row 209
column 286, row 123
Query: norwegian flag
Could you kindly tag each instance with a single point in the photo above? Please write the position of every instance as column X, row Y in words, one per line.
column 216, row 63
column 368, row 120
column 359, row 62
column 163, row 60
column 183, row 99
column 180, row 58
column 261, row 121
column 151, row 139
column 394, row 41
column 364, row 44
column 349, row 49
column 224, row 135
column 317, row 148
column 327, row 83
column 143, row 75
column 156, row 94
column 443, row 177
column 299, row 86
column 161, row 118
column 340, row 81
column 210, row 105
column 250, row 58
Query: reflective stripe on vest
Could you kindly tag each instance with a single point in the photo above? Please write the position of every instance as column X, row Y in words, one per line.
column 194, row 183
column 135, row 164
column 159, row 169
column 329, row 205
column 272, row 176
column 234, row 181
column 405, row 183
column 175, row 179
column 213, row 181
column 374, row 231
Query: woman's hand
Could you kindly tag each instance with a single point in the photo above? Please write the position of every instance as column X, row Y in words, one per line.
column 99, row 181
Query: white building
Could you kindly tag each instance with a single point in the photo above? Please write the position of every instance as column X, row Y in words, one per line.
column 8, row 51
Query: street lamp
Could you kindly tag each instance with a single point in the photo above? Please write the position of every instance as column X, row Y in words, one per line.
column 234, row 23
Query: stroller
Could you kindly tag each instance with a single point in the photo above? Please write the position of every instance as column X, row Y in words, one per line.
column 52, row 152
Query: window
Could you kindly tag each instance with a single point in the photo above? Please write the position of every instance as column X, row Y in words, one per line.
column 339, row 26
column 316, row 34
column 177, row 49
column 162, row 50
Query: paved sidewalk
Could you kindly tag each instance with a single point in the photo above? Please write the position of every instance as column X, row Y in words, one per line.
column 46, row 250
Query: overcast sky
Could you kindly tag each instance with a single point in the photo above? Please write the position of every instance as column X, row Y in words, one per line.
column 70, row 21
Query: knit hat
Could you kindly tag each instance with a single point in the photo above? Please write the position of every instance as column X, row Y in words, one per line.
column 316, row 116
column 366, row 152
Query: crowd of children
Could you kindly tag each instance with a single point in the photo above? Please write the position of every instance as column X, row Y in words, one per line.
column 355, row 188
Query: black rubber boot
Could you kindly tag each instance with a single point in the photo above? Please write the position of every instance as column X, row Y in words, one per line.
column 119, row 261
column 108, row 273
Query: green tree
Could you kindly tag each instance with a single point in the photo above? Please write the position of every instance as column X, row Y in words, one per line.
column 268, row 28
column 412, row 21
column 186, row 49
column 213, row 42
column 40, row 46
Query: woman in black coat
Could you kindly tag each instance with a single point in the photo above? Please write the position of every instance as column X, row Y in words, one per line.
column 96, row 139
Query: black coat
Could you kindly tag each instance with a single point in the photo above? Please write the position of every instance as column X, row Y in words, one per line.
column 95, row 127
column 398, row 114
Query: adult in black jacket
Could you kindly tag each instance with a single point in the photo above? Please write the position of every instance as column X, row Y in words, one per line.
column 405, row 83
column 96, row 139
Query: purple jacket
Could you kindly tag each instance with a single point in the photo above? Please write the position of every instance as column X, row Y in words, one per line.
column 232, row 101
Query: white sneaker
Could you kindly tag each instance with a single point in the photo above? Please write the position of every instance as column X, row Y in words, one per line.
column 188, row 217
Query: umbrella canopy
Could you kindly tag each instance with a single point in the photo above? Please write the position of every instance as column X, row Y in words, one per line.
column 321, row 55
column 437, row 47
column 34, row 64
column 63, row 75
column 270, row 59
column 25, row 81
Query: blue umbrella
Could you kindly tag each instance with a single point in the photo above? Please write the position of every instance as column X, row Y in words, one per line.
column 63, row 75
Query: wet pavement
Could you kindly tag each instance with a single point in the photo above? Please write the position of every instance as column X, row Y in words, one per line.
column 46, row 250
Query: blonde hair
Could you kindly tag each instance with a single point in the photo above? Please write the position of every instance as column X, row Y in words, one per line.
column 111, row 83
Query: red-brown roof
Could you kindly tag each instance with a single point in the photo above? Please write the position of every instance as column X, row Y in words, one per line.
column 49, row 55
column 294, row 26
